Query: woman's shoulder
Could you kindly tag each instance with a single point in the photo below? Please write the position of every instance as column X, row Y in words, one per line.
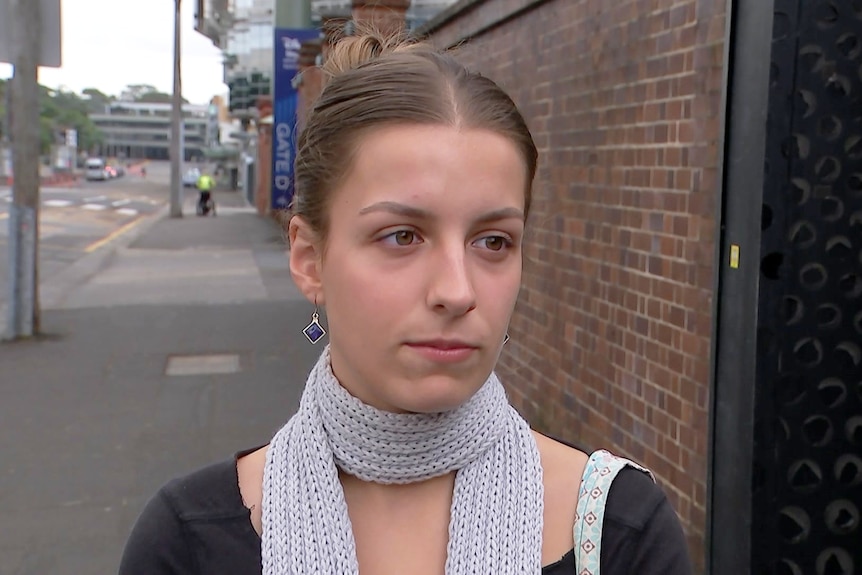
column 563, row 464
column 640, row 530
column 632, row 493
column 208, row 489
column 633, row 498
column 159, row 541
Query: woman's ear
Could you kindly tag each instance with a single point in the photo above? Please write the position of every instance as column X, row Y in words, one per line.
column 305, row 259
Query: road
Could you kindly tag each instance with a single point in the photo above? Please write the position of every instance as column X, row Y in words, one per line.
column 78, row 220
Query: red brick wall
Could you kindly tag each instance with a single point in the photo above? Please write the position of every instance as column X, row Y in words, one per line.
column 385, row 15
column 263, row 180
column 309, row 90
column 611, row 340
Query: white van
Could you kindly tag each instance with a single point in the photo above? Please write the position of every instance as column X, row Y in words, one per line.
column 96, row 169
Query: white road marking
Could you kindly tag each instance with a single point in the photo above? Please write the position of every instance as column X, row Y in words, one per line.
column 94, row 207
column 127, row 212
column 57, row 203
column 119, row 203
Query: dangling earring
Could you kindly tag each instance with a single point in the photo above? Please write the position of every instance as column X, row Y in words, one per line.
column 314, row 331
column 506, row 339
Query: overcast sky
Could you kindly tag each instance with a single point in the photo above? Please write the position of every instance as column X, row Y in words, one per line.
column 109, row 44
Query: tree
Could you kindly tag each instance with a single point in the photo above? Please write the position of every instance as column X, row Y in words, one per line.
column 134, row 92
column 64, row 110
column 96, row 99
column 146, row 93
column 155, row 98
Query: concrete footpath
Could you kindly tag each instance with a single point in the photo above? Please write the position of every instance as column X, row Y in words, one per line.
column 175, row 346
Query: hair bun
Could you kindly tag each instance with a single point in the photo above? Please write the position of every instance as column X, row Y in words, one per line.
column 366, row 44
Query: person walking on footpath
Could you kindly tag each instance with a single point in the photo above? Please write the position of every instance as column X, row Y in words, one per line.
column 413, row 187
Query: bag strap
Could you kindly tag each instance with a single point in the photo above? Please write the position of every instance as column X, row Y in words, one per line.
column 600, row 471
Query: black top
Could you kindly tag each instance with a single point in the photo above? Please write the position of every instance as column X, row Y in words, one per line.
column 198, row 525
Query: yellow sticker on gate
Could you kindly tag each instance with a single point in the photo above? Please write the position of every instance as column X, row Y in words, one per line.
column 734, row 256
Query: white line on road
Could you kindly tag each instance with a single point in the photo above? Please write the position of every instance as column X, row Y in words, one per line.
column 119, row 203
column 127, row 212
column 57, row 203
column 94, row 207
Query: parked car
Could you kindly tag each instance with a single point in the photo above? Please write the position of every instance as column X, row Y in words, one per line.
column 190, row 178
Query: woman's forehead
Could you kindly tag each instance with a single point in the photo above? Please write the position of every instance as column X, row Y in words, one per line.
column 421, row 165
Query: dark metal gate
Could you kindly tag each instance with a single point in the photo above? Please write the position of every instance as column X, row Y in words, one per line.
column 808, row 404
column 804, row 500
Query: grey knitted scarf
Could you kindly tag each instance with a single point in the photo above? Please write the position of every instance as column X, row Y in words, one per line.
column 496, row 516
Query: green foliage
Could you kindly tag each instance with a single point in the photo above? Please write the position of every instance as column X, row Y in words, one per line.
column 96, row 100
column 147, row 94
column 155, row 98
column 64, row 110
column 135, row 92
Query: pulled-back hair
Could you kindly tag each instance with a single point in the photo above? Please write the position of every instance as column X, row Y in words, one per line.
column 373, row 81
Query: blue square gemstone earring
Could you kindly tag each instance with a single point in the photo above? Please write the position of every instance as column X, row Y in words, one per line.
column 314, row 332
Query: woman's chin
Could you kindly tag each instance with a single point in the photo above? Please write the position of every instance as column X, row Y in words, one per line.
column 436, row 396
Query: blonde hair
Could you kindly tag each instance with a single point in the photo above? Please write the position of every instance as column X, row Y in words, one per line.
column 373, row 80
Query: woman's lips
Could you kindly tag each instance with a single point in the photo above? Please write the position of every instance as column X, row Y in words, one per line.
column 443, row 351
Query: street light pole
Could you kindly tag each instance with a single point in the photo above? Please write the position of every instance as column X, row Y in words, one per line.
column 24, row 314
column 176, row 123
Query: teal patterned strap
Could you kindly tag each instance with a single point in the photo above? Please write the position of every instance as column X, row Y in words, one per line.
column 599, row 473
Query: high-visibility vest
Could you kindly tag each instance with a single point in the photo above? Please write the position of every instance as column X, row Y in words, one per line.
column 205, row 183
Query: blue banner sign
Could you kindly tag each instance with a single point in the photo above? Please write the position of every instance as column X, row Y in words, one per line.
column 284, row 105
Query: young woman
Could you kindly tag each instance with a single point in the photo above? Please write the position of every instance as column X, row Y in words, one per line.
column 413, row 182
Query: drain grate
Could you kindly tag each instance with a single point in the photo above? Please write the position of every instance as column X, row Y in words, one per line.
column 202, row 364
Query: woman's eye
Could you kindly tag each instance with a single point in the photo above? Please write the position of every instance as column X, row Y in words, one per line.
column 495, row 243
column 401, row 237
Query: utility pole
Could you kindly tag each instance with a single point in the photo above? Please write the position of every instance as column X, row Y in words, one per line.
column 24, row 315
column 176, row 123
column 7, row 125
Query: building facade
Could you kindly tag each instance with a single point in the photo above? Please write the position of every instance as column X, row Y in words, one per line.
column 137, row 130
column 243, row 30
column 419, row 12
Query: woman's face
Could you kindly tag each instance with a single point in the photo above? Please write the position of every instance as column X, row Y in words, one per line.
column 422, row 264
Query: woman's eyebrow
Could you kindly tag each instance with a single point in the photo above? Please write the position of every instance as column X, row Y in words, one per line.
column 501, row 214
column 397, row 209
column 420, row 214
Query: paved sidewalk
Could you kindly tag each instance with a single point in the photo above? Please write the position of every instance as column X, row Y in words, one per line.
column 91, row 424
